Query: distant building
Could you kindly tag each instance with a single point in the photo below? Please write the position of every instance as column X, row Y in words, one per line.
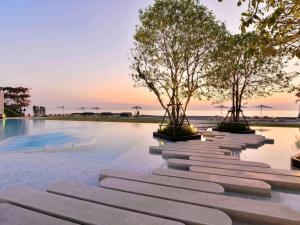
column 1, row 104
column 39, row 111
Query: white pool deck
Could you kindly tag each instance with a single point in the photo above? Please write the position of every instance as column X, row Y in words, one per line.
column 205, row 184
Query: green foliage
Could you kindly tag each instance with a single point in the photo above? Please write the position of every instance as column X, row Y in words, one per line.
column 16, row 99
column 177, row 132
column 242, row 72
column 233, row 126
column 277, row 22
column 297, row 89
column 172, row 49
column 10, row 111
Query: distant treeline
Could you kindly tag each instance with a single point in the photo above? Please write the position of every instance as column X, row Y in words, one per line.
column 16, row 100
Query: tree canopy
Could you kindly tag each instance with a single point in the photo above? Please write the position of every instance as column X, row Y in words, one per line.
column 172, row 48
column 16, row 99
column 277, row 22
column 242, row 72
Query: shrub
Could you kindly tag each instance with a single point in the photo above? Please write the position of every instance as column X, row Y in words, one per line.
column 179, row 131
column 233, row 126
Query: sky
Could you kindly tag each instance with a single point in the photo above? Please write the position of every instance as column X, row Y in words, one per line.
column 76, row 52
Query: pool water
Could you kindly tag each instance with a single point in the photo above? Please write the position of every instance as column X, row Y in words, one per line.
column 287, row 144
column 39, row 152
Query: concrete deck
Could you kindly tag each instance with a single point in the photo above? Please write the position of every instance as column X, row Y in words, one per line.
column 203, row 186
column 232, row 184
column 187, row 155
column 293, row 173
column 228, row 145
column 159, row 150
column 14, row 215
column 185, row 164
column 77, row 211
column 185, row 213
column 278, row 181
column 226, row 161
column 237, row 208
column 244, row 143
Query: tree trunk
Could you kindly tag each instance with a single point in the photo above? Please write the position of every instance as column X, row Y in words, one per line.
column 237, row 109
column 233, row 103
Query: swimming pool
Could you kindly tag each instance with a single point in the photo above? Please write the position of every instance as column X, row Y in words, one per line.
column 39, row 152
column 286, row 144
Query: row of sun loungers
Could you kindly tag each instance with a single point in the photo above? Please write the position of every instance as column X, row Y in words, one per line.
column 198, row 192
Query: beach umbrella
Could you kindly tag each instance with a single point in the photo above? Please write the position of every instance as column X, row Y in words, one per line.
column 136, row 107
column 221, row 107
column 63, row 109
column 96, row 108
column 261, row 107
column 82, row 108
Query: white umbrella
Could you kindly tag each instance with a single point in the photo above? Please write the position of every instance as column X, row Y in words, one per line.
column 96, row 108
column 63, row 108
column 82, row 108
column 221, row 107
column 136, row 107
column 261, row 107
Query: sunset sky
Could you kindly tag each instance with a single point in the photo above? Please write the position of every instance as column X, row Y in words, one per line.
column 75, row 52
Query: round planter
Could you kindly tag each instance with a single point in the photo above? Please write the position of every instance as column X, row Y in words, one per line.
column 295, row 161
column 174, row 139
column 250, row 131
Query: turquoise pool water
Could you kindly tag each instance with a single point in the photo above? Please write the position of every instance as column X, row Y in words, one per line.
column 39, row 152
column 20, row 135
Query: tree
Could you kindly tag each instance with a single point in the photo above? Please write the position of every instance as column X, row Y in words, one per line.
column 172, row 46
column 277, row 22
column 242, row 72
column 16, row 100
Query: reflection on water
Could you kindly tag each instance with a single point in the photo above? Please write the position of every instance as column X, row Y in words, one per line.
column 262, row 129
column 277, row 154
column 13, row 127
column 297, row 142
column 97, row 145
